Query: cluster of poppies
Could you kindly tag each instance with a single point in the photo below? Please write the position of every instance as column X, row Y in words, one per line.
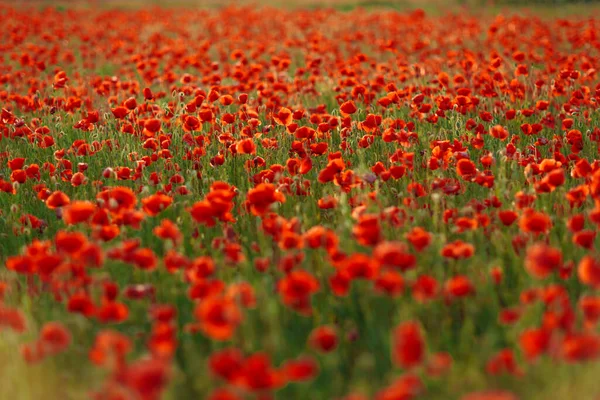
column 251, row 202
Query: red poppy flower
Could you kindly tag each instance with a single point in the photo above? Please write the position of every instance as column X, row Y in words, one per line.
column 261, row 197
column 408, row 345
column 219, row 317
column 78, row 211
column 296, row 290
column 57, row 199
column 541, row 260
column 589, row 271
column 55, row 338
column 323, row 339
column 156, row 203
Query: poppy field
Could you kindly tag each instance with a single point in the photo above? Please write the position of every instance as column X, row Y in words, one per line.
column 250, row 202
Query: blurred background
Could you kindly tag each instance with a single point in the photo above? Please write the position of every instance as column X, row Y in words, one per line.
column 557, row 6
column 324, row 3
